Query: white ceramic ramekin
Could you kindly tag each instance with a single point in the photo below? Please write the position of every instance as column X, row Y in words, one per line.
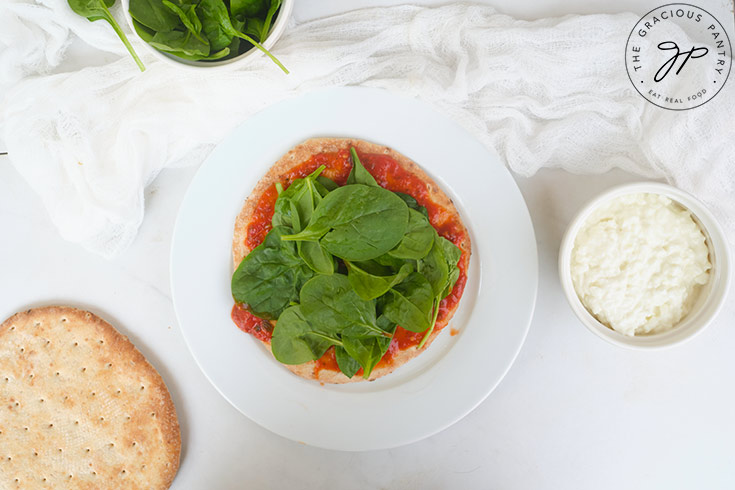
column 711, row 297
column 279, row 26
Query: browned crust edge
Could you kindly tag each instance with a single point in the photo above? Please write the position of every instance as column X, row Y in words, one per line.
column 277, row 172
column 169, row 420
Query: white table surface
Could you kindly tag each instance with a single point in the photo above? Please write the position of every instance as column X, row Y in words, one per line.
column 573, row 412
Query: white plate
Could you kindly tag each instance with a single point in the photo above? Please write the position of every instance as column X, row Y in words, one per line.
column 432, row 391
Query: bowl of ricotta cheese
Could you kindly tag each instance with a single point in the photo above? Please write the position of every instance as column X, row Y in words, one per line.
column 645, row 265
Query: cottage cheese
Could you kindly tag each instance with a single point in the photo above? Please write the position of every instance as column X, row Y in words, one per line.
column 639, row 262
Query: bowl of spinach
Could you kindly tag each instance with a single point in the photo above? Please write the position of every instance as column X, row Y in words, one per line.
column 209, row 33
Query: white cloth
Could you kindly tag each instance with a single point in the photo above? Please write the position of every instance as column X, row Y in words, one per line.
column 547, row 93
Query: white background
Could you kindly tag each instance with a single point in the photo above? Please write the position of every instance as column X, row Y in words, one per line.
column 573, row 412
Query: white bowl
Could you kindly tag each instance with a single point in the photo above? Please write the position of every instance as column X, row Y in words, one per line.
column 712, row 295
column 279, row 26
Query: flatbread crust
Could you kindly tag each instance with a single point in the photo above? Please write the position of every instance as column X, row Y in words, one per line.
column 80, row 406
column 278, row 172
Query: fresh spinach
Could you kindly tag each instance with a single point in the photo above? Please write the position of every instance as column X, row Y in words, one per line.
column 440, row 268
column 219, row 37
column 154, row 15
column 294, row 208
column 357, row 222
column 359, row 174
column 190, row 20
column 99, row 10
column 272, row 9
column 409, row 304
column 331, row 305
column 434, row 267
column 366, row 351
column 180, row 42
column 296, row 204
column 295, row 341
column 216, row 11
column 347, row 364
column 271, row 276
column 371, row 280
column 418, row 240
column 316, row 257
column 252, row 26
column 247, row 8
column 328, row 185
column 412, row 203
column 228, row 28
column 387, row 260
column 452, row 254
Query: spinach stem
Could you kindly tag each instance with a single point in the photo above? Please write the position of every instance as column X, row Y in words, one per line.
column 260, row 47
column 122, row 37
column 334, row 340
column 297, row 238
column 267, row 24
column 377, row 330
column 433, row 323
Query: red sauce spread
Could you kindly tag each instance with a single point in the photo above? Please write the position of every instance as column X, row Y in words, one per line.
column 390, row 175
column 247, row 322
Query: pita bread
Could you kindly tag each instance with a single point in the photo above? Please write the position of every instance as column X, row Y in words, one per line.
column 81, row 407
column 278, row 173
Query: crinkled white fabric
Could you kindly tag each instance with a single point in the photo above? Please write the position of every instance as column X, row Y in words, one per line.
column 547, row 93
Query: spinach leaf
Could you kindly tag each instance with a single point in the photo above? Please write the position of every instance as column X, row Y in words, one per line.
column 434, row 315
column 452, row 254
column 252, row 27
column 387, row 260
column 294, row 207
column 357, row 222
column 386, row 324
column 99, row 10
column 154, row 15
column 272, row 8
column 247, row 8
column 180, row 42
column 316, row 257
column 296, row 204
column 331, row 306
column 197, row 57
column 367, row 352
column 191, row 14
column 328, row 185
column 270, row 277
column 409, row 304
column 359, row 174
column 434, row 267
column 347, row 364
column 295, row 341
column 235, row 41
column 412, row 203
column 418, row 240
column 145, row 33
column 192, row 23
column 371, row 280
column 219, row 37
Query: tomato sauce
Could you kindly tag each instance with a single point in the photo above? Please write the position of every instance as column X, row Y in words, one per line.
column 390, row 175
column 249, row 323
